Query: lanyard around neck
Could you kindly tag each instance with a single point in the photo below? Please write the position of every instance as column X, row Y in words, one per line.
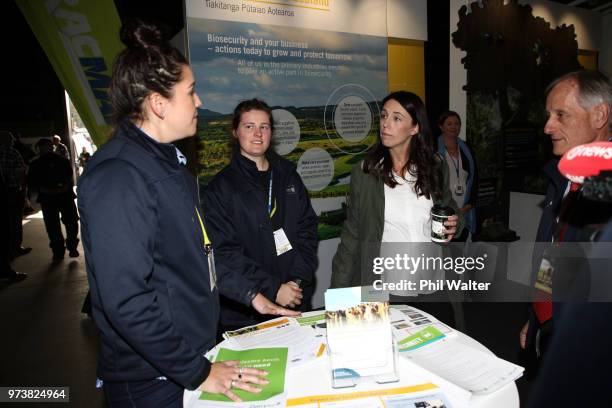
column 204, row 234
column 455, row 163
column 271, row 211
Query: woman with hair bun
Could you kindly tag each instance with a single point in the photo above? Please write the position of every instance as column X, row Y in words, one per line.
column 149, row 260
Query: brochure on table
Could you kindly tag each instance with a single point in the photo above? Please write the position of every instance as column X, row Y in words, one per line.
column 407, row 320
column 473, row 370
column 415, row 396
column 272, row 360
column 435, row 347
column 351, row 324
column 432, row 353
column 304, row 390
column 304, row 342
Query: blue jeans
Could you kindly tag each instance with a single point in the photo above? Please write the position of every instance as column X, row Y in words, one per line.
column 149, row 394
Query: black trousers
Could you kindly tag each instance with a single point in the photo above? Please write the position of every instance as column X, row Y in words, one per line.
column 145, row 394
column 5, row 237
column 52, row 210
column 14, row 206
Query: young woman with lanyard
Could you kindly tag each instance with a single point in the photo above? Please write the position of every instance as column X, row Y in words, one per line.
column 261, row 222
column 154, row 293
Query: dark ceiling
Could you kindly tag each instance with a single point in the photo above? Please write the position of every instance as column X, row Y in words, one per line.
column 601, row 6
column 31, row 88
column 168, row 12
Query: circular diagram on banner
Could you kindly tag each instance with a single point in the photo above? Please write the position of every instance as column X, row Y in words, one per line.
column 316, row 167
column 353, row 119
column 350, row 112
column 286, row 131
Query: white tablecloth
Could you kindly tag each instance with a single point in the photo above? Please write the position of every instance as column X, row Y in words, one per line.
column 315, row 376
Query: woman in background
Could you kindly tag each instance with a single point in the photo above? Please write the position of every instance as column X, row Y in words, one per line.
column 461, row 163
column 262, row 225
column 151, row 274
column 392, row 193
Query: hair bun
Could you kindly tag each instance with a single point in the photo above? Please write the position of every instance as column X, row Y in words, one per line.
column 141, row 34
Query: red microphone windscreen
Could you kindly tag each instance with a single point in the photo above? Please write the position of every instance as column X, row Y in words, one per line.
column 586, row 160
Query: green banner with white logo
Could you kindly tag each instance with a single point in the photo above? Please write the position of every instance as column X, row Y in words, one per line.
column 81, row 39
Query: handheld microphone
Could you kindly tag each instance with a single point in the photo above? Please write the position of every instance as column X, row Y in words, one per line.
column 591, row 165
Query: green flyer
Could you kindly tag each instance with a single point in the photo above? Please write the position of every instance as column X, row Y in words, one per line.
column 272, row 360
column 311, row 320
column 420, row 338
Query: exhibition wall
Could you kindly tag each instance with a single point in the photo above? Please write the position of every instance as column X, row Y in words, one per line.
column 502, row 56
column 323, row 67
column 592, row 33
column 350, row 53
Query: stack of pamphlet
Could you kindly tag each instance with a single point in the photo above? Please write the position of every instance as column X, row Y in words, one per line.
column 302, row 340
column 432, row 345
column 351, row 324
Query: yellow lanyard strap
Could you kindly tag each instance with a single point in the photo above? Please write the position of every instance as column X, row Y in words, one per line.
column 206, row 240
column 273, row 210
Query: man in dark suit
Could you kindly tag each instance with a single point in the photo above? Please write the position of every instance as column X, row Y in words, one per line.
column 579, row 112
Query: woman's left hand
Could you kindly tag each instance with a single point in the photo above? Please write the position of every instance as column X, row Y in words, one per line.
column 451, row 227
column 264, row 306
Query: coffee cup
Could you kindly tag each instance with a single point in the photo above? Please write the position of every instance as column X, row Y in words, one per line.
column 439, row 214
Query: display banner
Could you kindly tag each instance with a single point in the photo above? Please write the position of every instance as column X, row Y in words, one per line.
column 322, row 67
column 81, row 40
column 366, row 17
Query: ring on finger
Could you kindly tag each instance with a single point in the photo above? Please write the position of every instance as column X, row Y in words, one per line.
column 232, row 384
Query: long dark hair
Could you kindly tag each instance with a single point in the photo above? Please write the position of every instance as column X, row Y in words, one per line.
column 147, row 64
column 423, row 163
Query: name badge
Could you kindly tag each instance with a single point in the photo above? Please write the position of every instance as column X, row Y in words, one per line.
column 459, row 189
column 210, row 256
column 282, row 242
column 544, row 277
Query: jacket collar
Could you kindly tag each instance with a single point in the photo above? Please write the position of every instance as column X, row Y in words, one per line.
column 556, row 178
column 163, row 151
column 247, row 170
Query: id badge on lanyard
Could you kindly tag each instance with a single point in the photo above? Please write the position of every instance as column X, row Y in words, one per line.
column 458, row 188
column 210, row 255
column 544, row 276
column 281, row 242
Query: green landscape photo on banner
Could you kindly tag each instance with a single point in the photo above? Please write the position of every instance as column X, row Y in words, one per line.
column 324, row 88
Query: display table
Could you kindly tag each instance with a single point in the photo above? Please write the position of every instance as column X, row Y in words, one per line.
column 314, row 378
